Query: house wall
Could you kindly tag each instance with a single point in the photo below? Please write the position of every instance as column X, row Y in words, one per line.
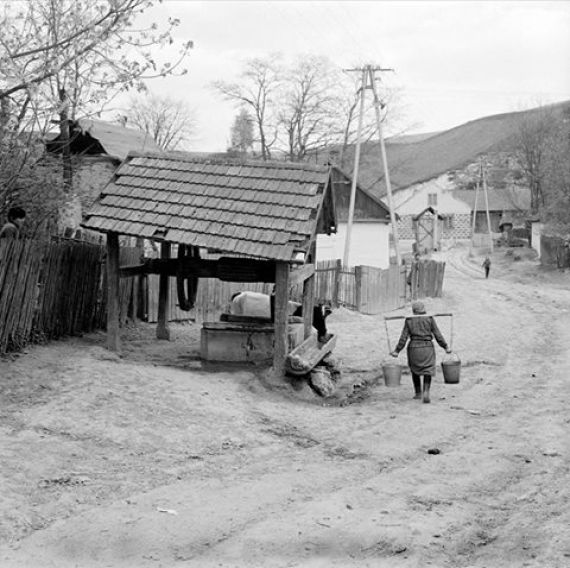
column 90, row 175
column 369, row 244
column 414, row 199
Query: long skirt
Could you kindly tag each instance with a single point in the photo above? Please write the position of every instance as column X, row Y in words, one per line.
column 421, row 357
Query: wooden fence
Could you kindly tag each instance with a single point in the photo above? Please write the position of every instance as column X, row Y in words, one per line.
column 52, row 290
column 554, row 251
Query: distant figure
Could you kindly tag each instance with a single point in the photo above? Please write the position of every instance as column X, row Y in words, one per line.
column 487, row 266
column 420, row 329
column 11, row 229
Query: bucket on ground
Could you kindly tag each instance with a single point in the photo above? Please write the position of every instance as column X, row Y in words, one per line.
column 392, row 372
column 451, row 369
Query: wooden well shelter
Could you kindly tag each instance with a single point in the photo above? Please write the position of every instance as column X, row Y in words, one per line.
column 255, row 221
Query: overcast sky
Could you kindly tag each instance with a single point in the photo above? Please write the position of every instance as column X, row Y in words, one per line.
column 455, row 60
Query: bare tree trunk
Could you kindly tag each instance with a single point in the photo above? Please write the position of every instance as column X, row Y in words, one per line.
column 65, row 141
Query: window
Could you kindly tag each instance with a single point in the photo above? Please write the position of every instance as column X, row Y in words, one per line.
column 432, row 199
column 448, row 222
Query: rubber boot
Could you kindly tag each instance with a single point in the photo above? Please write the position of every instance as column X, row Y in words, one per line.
column 427, row 385
column 417, row 386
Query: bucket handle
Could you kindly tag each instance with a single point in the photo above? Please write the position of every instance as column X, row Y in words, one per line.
column 451, row 357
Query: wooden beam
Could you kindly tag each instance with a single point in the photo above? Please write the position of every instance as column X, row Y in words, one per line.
column 281, row 347
column 113, row 340
column 162, row 328
column 309, row 294
column 226, row 269
column 301, row 274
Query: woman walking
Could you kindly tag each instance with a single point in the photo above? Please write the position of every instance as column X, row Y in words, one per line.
column 420, row 329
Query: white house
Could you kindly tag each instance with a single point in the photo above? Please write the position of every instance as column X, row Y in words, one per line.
column 370, row 236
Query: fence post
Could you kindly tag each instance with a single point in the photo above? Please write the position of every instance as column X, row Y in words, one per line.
column 358, row 287
column 337, row 281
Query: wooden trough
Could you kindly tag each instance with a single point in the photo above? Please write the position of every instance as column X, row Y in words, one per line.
column 304, row 358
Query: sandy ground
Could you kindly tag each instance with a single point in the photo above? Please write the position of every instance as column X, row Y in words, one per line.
column 152, row 459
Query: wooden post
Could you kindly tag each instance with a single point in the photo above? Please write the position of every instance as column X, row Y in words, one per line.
column 162, row 328
column 487, row 209
column 358, row 287
column 281, row 317
column 309, row 296
column 393, row 222
column 337, row 283
column 113, row 340
column 475, row 208
column 354, row 172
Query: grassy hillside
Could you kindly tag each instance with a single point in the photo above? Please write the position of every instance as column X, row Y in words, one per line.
column 449, row 150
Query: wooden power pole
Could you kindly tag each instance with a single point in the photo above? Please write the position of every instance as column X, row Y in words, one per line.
column 368, row 81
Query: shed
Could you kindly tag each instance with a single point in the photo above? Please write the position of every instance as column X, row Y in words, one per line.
column 262, row 218
column 427, row 229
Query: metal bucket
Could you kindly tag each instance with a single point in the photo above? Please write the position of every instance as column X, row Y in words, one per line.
column 451, row 370
column 392, row 374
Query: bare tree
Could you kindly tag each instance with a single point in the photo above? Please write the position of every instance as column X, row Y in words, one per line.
column 556, row 179
column 43, row 38
column 256, row 90
column 241, row 133
column 170, row 122
column 77, row 56
column 536, row 135
column 308, row 112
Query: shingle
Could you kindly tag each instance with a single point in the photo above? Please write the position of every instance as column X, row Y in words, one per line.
column 234, row 207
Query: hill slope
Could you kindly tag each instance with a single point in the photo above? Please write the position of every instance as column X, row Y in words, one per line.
column 449, row 150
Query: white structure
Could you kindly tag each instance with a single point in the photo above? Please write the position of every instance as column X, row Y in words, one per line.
column 370, row 238
column 370, row 244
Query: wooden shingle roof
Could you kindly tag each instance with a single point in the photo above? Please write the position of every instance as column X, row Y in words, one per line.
column 259, row 209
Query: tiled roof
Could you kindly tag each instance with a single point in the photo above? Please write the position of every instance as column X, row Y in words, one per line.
column 117, row 140
column 499, row 200
column 259, row 209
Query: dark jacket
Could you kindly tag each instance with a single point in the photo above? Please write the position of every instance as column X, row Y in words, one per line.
column 421, row 330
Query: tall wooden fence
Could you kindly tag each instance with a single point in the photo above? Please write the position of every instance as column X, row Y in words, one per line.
column 52, row 290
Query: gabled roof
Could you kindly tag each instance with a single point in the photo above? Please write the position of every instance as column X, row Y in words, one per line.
column 499, row 200
column 259, row 209
column 367, row 207
column 89, row 136
column 428, row 209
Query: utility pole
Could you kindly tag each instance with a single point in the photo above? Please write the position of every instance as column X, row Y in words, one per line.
column 371, row 71
column 475, row 207
column 354, row 173
column 484, row 174
column 368, row 81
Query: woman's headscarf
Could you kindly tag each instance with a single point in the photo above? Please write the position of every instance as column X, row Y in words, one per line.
column 418, row 308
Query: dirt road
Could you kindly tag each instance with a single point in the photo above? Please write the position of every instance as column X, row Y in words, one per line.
column 151, row 460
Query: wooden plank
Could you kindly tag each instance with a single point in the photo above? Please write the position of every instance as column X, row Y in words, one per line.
column 299, row 275
column 281, row 316
column 308, row 355
column 162, row 328
column 113, row 341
